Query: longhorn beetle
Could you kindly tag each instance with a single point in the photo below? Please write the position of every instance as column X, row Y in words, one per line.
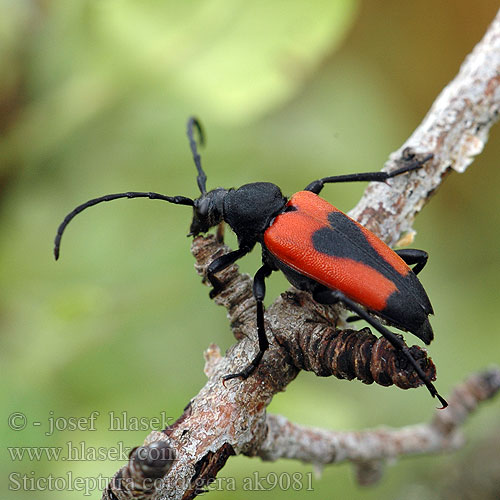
column 318, row 248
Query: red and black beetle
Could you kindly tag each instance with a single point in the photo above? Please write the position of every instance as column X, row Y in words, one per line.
column 319, row 249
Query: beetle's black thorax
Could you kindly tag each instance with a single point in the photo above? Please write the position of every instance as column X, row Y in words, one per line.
column 250, row 209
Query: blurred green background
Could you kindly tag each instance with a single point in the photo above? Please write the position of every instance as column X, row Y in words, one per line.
column 94, row 96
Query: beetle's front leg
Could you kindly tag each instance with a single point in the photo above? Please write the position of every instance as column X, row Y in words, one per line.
column 259, row 292
column 220, row 264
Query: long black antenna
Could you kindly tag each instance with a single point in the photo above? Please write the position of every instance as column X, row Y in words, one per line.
column 193, row 122
column 179, row 200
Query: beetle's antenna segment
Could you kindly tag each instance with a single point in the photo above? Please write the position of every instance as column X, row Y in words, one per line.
column 178, row 200
column 193, row 122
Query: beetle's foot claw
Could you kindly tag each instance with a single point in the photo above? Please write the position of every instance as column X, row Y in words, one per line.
column 243, row 374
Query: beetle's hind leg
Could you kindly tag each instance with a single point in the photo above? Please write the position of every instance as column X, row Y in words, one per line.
column 353, row 319
column 259, row 292
column 414, row 256
column 327, row 296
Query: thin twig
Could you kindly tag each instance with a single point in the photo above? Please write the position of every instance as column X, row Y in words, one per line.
column 370, row 449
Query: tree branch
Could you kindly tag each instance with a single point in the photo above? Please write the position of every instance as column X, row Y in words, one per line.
column 225, row 420
column 368, row 450
column 455, row 129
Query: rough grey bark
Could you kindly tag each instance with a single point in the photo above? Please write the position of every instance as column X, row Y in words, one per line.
column 222, row 420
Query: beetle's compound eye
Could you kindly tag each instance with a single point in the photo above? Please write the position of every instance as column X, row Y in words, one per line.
column 203, row 207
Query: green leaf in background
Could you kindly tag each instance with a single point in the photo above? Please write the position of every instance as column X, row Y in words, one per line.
column 231, row 60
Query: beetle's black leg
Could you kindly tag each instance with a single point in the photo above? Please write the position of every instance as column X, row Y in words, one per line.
column 413, row 164
column 413, row 256
column 220, row 264
column 326, row 296
column 352, row 319
column 259, row 292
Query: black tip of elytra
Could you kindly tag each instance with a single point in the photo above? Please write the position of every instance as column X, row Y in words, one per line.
column 425, row 332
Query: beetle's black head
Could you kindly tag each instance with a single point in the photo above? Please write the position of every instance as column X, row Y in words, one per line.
column 248, row 210
column 208, row 211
